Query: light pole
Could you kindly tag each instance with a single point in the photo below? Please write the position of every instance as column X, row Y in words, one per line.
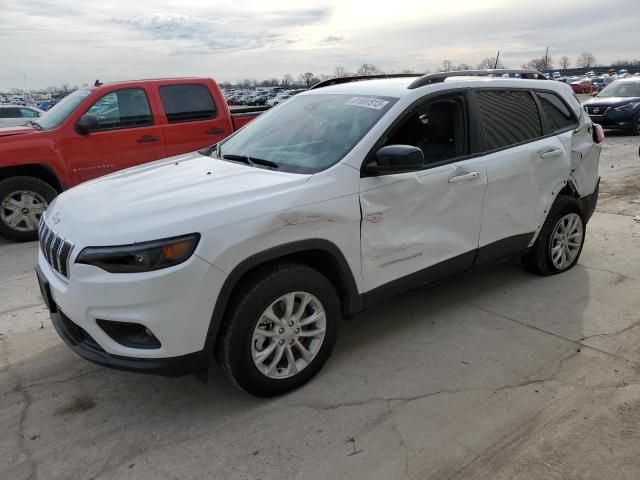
column 26, row 92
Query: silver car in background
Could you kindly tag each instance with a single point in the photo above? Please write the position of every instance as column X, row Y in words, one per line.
column 12, row 115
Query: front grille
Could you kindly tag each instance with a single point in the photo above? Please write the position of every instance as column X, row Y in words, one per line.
column 597, row 110
column 55, row 249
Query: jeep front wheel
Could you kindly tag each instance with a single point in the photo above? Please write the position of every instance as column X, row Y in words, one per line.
column 280, row 330
column 22, row 201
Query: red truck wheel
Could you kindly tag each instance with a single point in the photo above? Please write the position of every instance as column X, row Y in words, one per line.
column 22, row 201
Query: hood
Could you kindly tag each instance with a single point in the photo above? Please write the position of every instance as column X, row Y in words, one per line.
column 18, row 130
column 179, row 195
column 610, row 101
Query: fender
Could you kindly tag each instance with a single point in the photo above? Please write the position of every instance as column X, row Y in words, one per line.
column 37, row 148
column 355, row 302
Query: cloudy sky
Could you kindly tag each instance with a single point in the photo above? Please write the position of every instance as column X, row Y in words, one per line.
column 73, row 41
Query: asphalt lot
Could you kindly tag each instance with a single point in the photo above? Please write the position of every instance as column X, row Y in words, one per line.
column 496, row 374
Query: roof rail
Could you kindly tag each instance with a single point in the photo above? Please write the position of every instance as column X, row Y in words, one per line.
column 358, row 78
column 440, row 77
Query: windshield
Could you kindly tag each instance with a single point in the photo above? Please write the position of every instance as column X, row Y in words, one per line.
column 621, row 89
column 308, row 133
column 60, row 111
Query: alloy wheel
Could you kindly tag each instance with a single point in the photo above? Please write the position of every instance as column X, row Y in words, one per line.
column 566, row 240
column 288, row 335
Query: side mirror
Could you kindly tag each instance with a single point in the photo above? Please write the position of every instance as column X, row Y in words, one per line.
column 87, row 123
column 396, row 159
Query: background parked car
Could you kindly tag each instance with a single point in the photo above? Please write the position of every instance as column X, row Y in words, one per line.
column 12, row 115
column 617, row 106
column 583, row 86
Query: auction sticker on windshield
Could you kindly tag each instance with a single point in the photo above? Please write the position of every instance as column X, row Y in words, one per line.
column 374, row 103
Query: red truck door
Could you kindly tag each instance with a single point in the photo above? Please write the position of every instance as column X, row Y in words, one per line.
column 128, row 135
column 193, row 120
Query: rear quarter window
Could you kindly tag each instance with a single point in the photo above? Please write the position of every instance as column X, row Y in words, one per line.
column 557, row 112
column 509, row 117
column 187, row 103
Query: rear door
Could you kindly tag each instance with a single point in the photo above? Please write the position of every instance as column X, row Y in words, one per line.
column 192, row 118
column 526, row 165
column 127, row 135
column 420, row 226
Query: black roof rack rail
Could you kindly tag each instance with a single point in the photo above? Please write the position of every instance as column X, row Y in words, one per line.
column 440, row 77
column 358, row 78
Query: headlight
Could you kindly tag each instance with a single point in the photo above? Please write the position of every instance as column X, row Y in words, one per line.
column 627, row 107
column 141, row 257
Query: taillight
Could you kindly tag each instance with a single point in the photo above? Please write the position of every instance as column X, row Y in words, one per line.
column 598, row 133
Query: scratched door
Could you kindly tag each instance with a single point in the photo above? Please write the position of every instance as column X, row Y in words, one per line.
column 413, row 221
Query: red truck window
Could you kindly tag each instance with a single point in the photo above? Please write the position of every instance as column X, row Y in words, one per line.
column 186, row 103
column 122, row 109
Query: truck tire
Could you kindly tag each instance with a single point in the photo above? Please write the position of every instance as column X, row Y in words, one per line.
column 23, row 199
column 280, row 330
column 560, row 242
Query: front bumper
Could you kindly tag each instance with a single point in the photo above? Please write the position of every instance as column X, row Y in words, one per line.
column 174, row 304
column 81, row 343
column 613, row 119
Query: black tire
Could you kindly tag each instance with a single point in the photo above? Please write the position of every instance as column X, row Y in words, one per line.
column 538, row 260
column 261, row 289
column 11, row 185
column 634, row 127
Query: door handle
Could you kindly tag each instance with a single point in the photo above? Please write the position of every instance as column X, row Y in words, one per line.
column 464, row 177
column 551, row 153
column 147, row 139
column 215, row 131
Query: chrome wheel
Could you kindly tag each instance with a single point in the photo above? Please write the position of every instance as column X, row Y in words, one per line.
column 566, row 240
column 288, row 335
column 21, row 210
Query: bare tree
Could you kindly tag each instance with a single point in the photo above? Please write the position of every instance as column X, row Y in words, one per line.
column 306, row 78
column 586, row 60
column 542, row 63
column 340, row 72
column 368, row 69
column 489, row 62
column 447, row 66
column 287, row 79
column 463, row 66
column 564, row 62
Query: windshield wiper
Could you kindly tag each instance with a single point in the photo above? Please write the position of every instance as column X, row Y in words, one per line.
column 253, row 161
column 34, row 124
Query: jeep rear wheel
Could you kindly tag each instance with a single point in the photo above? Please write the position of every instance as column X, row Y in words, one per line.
column 23, row 200
column 280, row 330
column 560, row 242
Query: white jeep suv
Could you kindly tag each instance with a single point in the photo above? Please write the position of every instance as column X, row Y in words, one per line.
column 251, row 251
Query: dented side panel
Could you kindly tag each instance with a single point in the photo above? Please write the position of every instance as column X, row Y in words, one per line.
column 412, row 221
column 520, row 184
column 585, row 157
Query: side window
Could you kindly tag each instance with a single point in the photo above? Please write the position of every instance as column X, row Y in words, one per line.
column 122, row 109
column 559, row 116
column 186, row 103
column 9, row 112
column 509, row 117
column 28, row 113
column 438, row 128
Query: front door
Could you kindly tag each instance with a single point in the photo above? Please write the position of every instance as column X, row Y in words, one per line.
column 420, row 226
column 127, row 135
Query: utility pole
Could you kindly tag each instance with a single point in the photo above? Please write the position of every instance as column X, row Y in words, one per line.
column 497, row 57
column 26, row 92
column 546, row 59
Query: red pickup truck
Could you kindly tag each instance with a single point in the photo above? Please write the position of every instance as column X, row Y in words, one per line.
column 98, row 130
